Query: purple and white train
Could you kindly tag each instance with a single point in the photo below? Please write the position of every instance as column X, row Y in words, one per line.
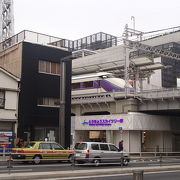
column 97, row 83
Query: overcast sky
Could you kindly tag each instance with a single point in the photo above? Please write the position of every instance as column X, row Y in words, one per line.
column 74, row 19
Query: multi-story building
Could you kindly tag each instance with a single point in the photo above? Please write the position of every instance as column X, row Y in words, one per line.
column 113, row 116
column 39, row 69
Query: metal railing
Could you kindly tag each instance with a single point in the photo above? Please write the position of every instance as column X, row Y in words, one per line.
column 29, row 36
column 136, row 157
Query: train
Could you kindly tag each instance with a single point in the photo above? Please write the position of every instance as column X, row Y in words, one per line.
column 101, row 82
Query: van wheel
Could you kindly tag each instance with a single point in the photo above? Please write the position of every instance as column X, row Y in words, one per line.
column 96, row 162
column 125, row 162
column 37, row 159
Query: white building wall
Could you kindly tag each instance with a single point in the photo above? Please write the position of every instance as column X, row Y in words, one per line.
column 11, row 100
column 156, row 127
column 7, row 81
column 134, row 141
column 8, row 114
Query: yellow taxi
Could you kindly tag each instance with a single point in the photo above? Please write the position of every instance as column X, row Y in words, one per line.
column 39, row 150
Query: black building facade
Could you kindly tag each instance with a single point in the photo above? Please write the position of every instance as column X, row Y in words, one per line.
column 40, row 91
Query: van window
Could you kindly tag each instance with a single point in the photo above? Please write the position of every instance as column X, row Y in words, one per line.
column 113, row 148
column 104, row 147
column 94, row 147
column 81, row 146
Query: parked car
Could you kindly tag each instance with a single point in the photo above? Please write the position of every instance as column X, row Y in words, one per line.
column 38, row 150
column 97, row 152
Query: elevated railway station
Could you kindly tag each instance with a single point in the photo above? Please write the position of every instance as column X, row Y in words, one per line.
column 146, row 113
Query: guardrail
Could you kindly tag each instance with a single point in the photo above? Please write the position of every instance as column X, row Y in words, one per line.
column 122, row 159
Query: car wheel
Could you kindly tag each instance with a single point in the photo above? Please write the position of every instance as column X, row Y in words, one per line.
column 96, row 162
column 37, row 159
column 70, row 158
column 125, row 162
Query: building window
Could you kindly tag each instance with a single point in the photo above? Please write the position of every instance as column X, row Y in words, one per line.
column 49, row 102
column 88, row 84
column 75, row 86
column 2, row 98
column 49, row 67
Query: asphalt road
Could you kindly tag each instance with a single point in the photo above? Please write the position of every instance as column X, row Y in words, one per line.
column 168, row 175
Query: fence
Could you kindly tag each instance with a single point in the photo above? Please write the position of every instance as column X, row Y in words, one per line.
column 11, row 159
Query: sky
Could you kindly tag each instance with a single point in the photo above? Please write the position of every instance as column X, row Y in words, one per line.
column 75, row 19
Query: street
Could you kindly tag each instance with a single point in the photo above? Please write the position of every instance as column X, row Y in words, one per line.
column 64, row 170
column 173, row 175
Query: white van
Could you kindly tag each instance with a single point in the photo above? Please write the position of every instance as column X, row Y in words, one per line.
column 98, row 152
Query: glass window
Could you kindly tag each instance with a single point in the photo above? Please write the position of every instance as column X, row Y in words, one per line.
column 2, row 98
column 40, row 101
column 57, row 146
column 75, row 86
column 95, row 146
column 48, row 70
column 58, row 68
column 81, row 146
column 53, row 68
column 104, row 147
column 45, row 146
column 49, row 67
column 88, row 84
column 30, row 145
column 42, row 66
column 113, row 148
column 47, row 101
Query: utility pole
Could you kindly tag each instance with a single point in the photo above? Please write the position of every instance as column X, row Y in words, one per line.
column 64, row 125
column 133, row 18
column 126, row 64
column 62, row 104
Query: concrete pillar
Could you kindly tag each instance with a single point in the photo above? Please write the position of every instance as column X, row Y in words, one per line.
column 109, row 136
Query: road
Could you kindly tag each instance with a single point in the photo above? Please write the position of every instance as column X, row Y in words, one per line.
column 173, row 175
column 103, row 172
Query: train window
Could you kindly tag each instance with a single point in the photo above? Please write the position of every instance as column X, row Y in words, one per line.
column 75, row 86
column 88, row 84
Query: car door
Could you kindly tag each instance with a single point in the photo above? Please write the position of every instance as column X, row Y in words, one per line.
column 45, row 150
column 114, row 153
column 59, row 152
column 104, row 152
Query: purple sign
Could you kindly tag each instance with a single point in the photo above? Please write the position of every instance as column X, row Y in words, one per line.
column 103, row 122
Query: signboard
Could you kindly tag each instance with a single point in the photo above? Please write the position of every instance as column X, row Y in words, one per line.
column 102, row 122
column 6, row 140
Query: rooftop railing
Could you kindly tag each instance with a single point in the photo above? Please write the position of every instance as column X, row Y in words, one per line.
column 28, row 36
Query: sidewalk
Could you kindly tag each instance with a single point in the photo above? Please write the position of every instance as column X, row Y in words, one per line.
column 73, row 173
